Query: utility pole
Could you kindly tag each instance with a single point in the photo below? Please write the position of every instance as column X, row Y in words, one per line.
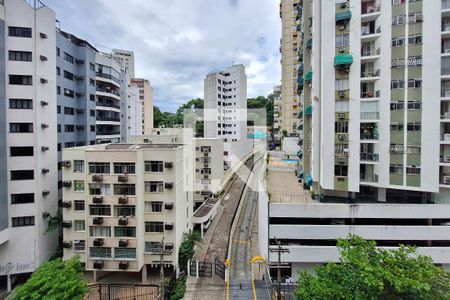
column 279, row 250
column 161, row 270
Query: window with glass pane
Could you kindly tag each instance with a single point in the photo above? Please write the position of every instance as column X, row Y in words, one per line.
column 129, row 253
column 124, row 210
column 154, row 186
column 78, row 205
column 154, row 226
column 99, row 252
column 80, row 245
column 79, row 225
column 124, row 189
column 154, row 166
column 124, row 168
column 78, row 166
column 100, row 231
column 153, row 247
column 125, row 231
column 99, row 189
column 99, row 168
column 156, row 206
column 99, row 210
column 78, row 185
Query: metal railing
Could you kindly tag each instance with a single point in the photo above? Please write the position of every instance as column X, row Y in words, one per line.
column 370, row 115
column 369, row 156
column 108, row 76
column 107, row 105
column 105, row 90
column 445, row 4
column 445, row 71
column 369, row 178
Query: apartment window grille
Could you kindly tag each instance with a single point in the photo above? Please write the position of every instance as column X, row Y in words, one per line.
column 78, row 185
column 22, row 221
column 341, row 127
column 153, row 247
column 99, row 189
column 99, row 252
column 22, row 198
column 20, row 79
column 125, row 253
column 68, row 75
column 154, row 206
column 79, row 225
column 100, row 210
column 414, row 83
column 397, row 126
column 340, row 170
column 24, row 32
column 414, row 105
column 125, row 231
column 342, row 40
column 20, row 103
column 342, row 84
column 78, row 205
column 414, row 126
column 79, row 245
column 20, row 55
column 398, row 42
column 397, row 84
column 396, row 169
column 397, row 148
column 341, row 106
column 124, row 189
column 154, row 226
column 415, row 40
column 399, row 20
column 124, row 210
column 78, row 166
column 154, row 186
column 68, row 57
column 154, row 166
column 100, row 231
column 99, row 168
column 341, row 149
column 124, row 168
column 397, row 105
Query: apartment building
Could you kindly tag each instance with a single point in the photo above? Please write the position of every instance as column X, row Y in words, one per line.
column 374, row 148
column 291, row 45
column 139, row 107
column 125, row 59
column 76, row 87
column 28, row 180
column 111, row 93
column 121, row 201
column 277, row 131
column 225, row 95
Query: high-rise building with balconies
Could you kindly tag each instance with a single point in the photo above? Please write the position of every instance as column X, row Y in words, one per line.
column 139, row 107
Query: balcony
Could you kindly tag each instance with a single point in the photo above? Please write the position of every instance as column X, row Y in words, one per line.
column 369, row 94
column 107, row 118
column 369, row 157
column 107, row 104
column 108, row 76
column 445, row 71
column 107, row 89
column 370, row 73
column 369, row 131
column 445, row 93
column 369, row 7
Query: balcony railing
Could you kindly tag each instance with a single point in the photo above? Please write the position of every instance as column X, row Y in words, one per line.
column 370, row 52
column 106, row 90
column 445, row 25
column 112, row 119
column 370, row 94
column 369, row 156
column 374, row 73
column 108, row 76
column 445, row 4
column 370, row 115
column 369, row 178
column 445, row 93
column 107, row 105
column 445, row 71
column 367, row 30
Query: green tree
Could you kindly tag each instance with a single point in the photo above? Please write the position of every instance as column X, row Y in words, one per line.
column 368, row 272
column 186, row 250
column 54, row 280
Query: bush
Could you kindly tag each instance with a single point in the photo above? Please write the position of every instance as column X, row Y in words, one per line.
column 186, row 250
column 179, row 289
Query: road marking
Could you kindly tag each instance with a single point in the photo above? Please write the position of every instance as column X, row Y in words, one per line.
column 228, row 288
column 253, row 283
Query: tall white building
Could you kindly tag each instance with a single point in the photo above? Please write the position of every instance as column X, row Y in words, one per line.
column 226, row 104
column 125, row 59
column 375, row 139
column 29, row 145
column 277, row 115
column 139, row 107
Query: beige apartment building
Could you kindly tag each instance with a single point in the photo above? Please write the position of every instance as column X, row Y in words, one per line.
column 121, row 200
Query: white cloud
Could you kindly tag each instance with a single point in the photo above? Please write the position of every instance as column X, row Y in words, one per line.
column 177, row 42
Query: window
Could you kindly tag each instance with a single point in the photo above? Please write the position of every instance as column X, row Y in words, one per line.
column 69, row 144
column 78, row 205
column 399, row 20
column 22, row 221
column 78, row 185
column 22, row 175
column 92, row 113
column 68, row 75
column 20, row 103
column 99, row 210
column 125, row 253
column 154, row 206
column 341, row 84
column 58, row 90
column 396, row 169
column 125, row 231
column 412, row 170
column 415, row 17
column 414, row 83
column 91, row 66
column 20, row 127
column 100, row 231
column 21, row 151
column 397, row 105
column 92, row 128
column 398, row 2
column 68, row 57
column 124, row 189
column 397, row 126
column 124, row 210
column 414, row 126
column 413, row 149
column 99, row 252
column 79, row 225
column 58, row 51
column 99, row 189
column 22, row 198
column 154, row 186
column 78, row 166
column 80, row 245
column 414, row 105
column 19, row 31
column 153, row 247
column 397, row 148
column 341, row 127
column 397, row 84
column 20, row 55
column 20, row 79
column 124, row 168
column 58, row 71
column 69, row 128
column 342, row 40
column 415, row 40
column 154, row 226
column 398, row 42
column 69, row 93
column 91, row 82
column 69, row 111
column 340, row 170
column 99, row 168
column 154, row 166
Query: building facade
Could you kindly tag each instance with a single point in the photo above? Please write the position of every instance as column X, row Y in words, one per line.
column 139, row 107
column 125, row 59
column 29, row 137
column 374, row 147
column 225, row 95
column 277, row 115
column 122, row 200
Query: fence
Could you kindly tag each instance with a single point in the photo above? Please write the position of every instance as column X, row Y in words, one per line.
column 122, row 292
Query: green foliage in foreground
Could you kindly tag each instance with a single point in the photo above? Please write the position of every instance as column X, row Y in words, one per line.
column 367, row 272
column 186, row 250
column 179, row 289
column 54, row 280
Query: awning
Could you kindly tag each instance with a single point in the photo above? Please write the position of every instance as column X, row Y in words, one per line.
column 301, row 69
column 341, row 60
column 309, row 180
column 343, row 16
column 300, row 115
column 308, row 110
column 309, row 44
column 309, row 76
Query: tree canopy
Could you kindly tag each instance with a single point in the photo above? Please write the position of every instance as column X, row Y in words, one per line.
column 54, row 280
column 368, row 272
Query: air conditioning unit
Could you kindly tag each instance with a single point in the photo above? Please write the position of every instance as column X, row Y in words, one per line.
column 341, row 115
column 419, row 18
column 341, row 94
column 343, row 5
column 341, row 137
column 66, row 163
column 342, row 27
column 342, row 49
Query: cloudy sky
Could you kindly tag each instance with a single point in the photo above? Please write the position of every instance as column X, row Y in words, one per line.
column 177, row 42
